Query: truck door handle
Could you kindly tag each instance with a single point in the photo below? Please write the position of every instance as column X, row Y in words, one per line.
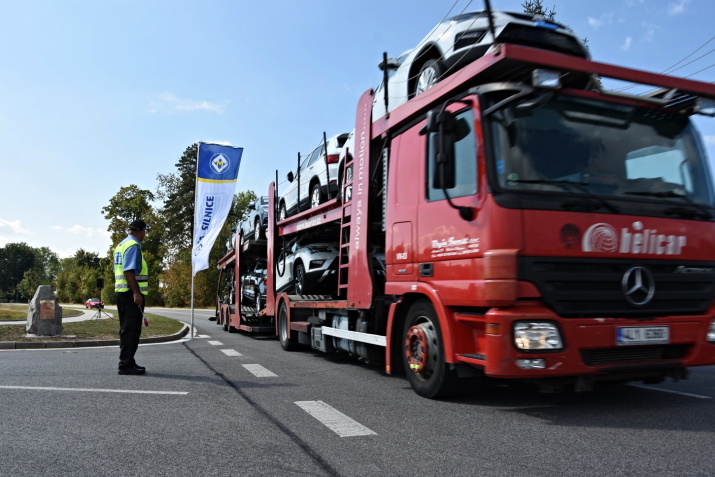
column 426, row 270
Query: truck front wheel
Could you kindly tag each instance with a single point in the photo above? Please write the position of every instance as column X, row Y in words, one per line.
column 288, row 338
column 423, row 353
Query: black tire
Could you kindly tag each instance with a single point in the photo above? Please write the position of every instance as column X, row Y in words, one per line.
column 430, row 73
column 316, row 198
column 257, row 234
column 302, row 286
column 423, row 353
column 287, row 337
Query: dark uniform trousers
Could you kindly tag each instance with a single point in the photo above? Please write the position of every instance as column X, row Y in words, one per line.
column 130, row 328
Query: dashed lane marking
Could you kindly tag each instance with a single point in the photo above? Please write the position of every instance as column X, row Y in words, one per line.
column 215, row 343
column 651, row 388
column 259, row 371
column 231, row 352
column 335, row 420
column 94, row 390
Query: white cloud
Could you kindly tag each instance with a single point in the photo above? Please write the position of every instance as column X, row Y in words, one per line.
column 709, row 140
column 88, row 232
column 627, row 44
column 677, row 7
column 64, row 253
column 605, row 19
column 178, row 104
column 15, row 226
column 649, row 31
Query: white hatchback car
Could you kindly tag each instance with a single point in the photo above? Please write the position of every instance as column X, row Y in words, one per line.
column 307, row 269
column 316, row 180
column 461, row 39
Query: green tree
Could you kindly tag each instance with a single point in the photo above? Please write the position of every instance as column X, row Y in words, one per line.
column 68, row 283
column 87, row 259
column 177, row 191
column 43, row 272
column 536, row 7
column 15, row 260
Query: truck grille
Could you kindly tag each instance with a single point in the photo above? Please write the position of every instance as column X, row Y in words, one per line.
column 635, row 354
column 588, row 288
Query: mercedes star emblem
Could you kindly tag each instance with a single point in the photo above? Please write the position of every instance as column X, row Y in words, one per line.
column 638, row 286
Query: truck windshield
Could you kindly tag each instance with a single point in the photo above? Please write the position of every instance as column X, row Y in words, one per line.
column 582, row 146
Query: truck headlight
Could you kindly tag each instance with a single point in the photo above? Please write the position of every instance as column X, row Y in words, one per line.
column 529, row 335
column 711, row 331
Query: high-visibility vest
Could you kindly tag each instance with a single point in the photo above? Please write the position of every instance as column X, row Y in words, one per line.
column 120, row 281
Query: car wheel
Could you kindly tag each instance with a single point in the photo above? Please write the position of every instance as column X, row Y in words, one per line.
column 423, row 353
column 430, row 73
column 257, row 230
column 301, row 285
column 282, row 212
column 287, row 337
column 315, row 198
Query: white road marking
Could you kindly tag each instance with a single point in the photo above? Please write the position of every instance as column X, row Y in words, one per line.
column 335, row 420
column 92, row 390
column 231, row 352
column 215, row 343
column 259, row 371
column 651, row 388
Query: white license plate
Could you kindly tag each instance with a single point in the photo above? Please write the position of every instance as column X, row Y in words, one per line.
column 638, row 335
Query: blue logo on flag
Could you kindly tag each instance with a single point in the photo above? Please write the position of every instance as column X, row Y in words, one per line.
column 220, row 163
column 217, row 162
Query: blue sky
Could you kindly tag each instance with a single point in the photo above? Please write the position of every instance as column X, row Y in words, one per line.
column 97, row 95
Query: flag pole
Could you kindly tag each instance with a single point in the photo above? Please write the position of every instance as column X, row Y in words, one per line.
column 191, row 330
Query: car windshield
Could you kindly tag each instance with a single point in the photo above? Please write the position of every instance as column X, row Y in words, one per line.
column 578, row 145
column 264, row 200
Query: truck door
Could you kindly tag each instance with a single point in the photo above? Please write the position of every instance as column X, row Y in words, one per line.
column 447, row 244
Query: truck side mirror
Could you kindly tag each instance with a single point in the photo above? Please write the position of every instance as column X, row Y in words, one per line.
column 445, row 174
column 290, row 176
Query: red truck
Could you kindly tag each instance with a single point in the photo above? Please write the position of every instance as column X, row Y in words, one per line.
column 534, row 226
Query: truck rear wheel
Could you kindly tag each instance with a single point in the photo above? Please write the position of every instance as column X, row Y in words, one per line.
column 288, row 338
column 423, row 353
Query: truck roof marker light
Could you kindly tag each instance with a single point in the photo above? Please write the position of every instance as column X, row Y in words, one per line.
column 546, row 79
column 705, row 106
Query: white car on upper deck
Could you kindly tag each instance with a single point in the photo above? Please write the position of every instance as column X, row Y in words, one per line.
column 458, row 41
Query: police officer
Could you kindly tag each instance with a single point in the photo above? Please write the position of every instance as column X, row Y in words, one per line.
column 131, row 277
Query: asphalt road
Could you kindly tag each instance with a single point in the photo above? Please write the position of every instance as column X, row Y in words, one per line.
column 235, row 404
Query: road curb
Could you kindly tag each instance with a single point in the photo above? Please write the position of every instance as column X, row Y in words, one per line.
column 89, row 343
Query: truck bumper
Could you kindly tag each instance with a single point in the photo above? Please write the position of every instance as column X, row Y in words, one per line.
column 590, row 346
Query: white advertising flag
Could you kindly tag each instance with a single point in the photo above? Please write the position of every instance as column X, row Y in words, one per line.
column 216, row 173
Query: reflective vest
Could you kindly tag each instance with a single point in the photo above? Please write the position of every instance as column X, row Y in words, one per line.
column 120, row 281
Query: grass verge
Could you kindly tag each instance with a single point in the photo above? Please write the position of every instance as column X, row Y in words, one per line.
column 15, row 312
column 90, row 330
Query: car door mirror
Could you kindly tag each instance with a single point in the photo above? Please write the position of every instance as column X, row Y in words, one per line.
column 290, row 176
